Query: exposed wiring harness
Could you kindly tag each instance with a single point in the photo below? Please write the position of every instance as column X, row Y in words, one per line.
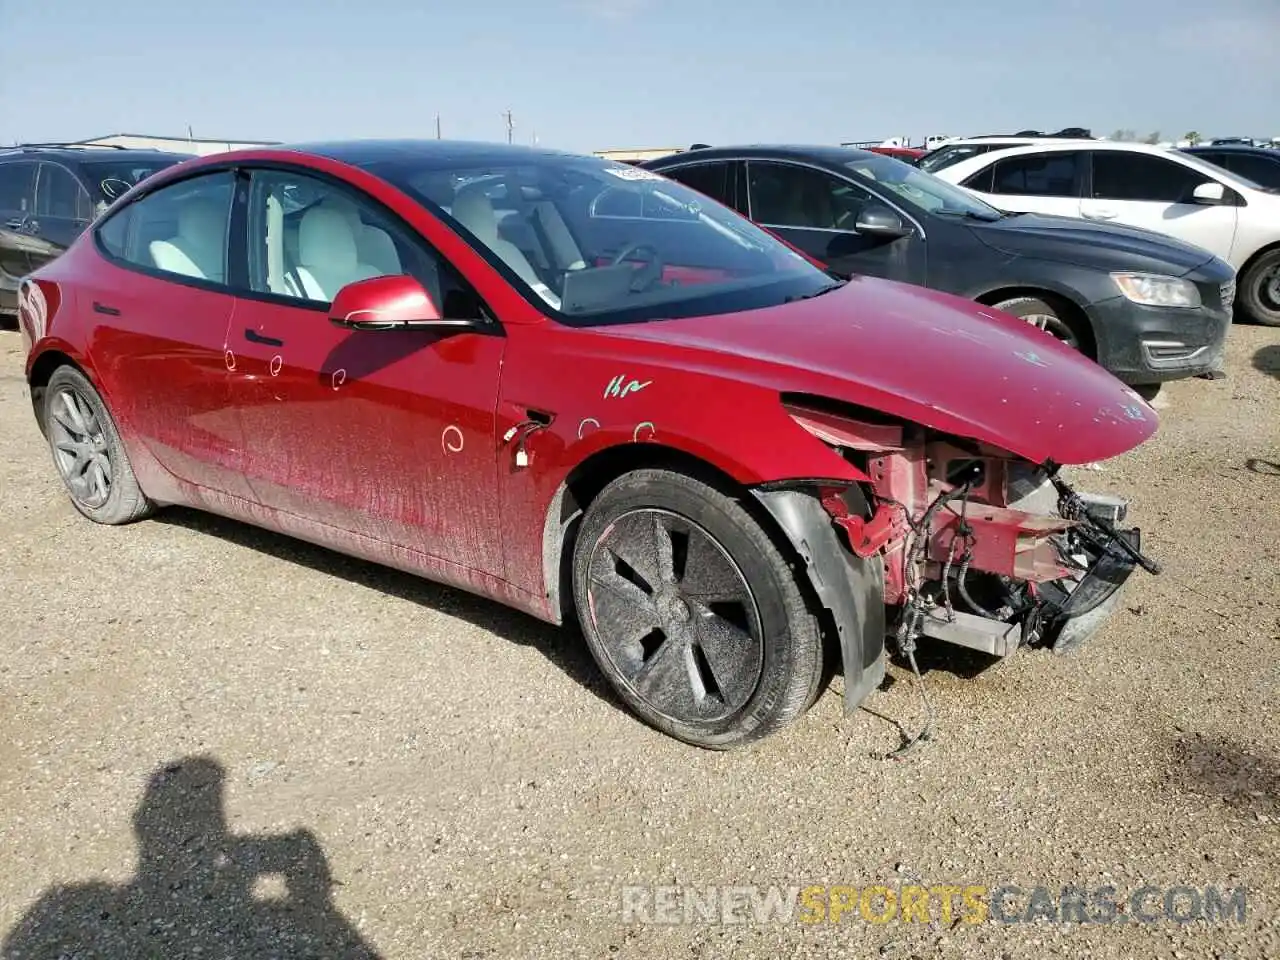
column 914, row 608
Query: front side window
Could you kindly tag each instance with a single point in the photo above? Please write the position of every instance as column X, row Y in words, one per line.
column 309, row 238
column 59, row 194
column 180, row 229
column 1265, row 173
column 17, row 186
column 789, row 195
column 592, row 242
column 1038, row 175
column 1119, row 175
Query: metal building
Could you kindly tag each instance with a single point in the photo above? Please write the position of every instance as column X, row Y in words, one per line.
column 198, row 146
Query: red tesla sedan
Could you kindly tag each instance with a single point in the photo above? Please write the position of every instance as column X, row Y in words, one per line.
column 582, row 389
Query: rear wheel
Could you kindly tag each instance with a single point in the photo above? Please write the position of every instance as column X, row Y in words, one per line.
column 1260, row 290
column 1049, row 318
column 88, row 452
column 692, row 612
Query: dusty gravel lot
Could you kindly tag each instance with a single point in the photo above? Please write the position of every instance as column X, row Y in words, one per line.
column 472, row 789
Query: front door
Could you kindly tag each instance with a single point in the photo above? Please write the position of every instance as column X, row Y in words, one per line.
column 17, row 205
column 386, row 434
column 162, row 311
column 1141, row 190
column 816, row 211
column 1050, row 183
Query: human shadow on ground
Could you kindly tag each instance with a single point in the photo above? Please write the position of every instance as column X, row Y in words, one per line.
column 1267, row 360
column 198, row 891
column 563, row 646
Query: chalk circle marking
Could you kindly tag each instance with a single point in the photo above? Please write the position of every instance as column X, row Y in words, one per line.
column 277, row 362
column 452, row 439
column 339, row 378
column 635, row 434
column 229, row 359
column 583, row 424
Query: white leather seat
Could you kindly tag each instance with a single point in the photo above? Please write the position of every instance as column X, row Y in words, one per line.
column 327, row 254
column 198, row 249
column 373, row 245
column 473, row 210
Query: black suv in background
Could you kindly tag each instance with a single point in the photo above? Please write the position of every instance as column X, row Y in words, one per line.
column 50, row 192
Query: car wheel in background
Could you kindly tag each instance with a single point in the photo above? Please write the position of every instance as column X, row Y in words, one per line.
column 88, row 452
column 1259, row 292
column 692, row 611
column 1048, row 318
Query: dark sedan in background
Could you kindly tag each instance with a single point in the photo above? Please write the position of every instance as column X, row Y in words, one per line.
column 1258, row 164
column 49, row 193
column 1148, row 308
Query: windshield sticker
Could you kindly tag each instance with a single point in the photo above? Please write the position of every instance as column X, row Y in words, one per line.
column 620, row 387
column 625, row 172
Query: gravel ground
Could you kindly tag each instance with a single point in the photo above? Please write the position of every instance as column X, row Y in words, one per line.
column 438, row 776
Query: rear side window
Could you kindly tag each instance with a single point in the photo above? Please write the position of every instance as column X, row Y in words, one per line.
column 1038, row 175
column 180, row 229
column 949, row 156
column 1144, row 178
column 59, row 194
column 17, row 183
column 711, row 179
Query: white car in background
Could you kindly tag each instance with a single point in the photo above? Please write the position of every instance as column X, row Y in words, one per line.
column 1164, row 190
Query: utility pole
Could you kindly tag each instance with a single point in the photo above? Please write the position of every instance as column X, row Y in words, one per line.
column 437, row 126
column 510, row 125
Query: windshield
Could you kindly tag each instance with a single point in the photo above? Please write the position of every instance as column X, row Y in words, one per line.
column 922, row 190
column 594, row 242
column 111, row 179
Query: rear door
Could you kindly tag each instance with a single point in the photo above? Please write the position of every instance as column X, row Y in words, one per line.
column 62, row 211
column 1050, row 182
column 1141, row 190
column 161, row 305
column 717, row 179
column 816, row 211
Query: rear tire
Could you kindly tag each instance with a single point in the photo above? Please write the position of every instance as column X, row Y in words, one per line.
column 692, row 612
column 1049, row 318
column 88, row 453
column 1259, row 290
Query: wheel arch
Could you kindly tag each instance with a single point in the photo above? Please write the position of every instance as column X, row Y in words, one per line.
column 42, row 370
column 584, row 483
column 1074, row 312
column 1256, row 256
column 828, row 575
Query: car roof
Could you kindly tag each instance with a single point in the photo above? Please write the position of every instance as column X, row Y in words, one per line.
column 362, row 153
column 824, row 154
column 1269, row 152
column 1011, row 138
column 74, row 154
column 962, row 170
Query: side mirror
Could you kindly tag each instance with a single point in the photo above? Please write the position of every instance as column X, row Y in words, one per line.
column 1209, row 192
column 389, row 303
column 877, row 220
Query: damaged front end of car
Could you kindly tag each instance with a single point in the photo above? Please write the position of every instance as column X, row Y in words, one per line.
column 972, row 545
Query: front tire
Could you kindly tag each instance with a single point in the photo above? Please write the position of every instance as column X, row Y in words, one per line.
column 1260, row 290
column 692, row 612
column 1047, row 317
column 88, row 452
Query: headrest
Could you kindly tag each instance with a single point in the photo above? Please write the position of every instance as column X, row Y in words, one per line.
column 200, row 218
column 325, row 240
column 473, row 210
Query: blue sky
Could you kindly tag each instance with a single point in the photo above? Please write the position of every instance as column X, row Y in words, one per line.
column 591, row 74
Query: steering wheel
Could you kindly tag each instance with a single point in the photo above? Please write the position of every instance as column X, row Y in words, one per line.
column 647, row 275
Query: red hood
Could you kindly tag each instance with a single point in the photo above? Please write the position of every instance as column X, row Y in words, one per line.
column 930, row 358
